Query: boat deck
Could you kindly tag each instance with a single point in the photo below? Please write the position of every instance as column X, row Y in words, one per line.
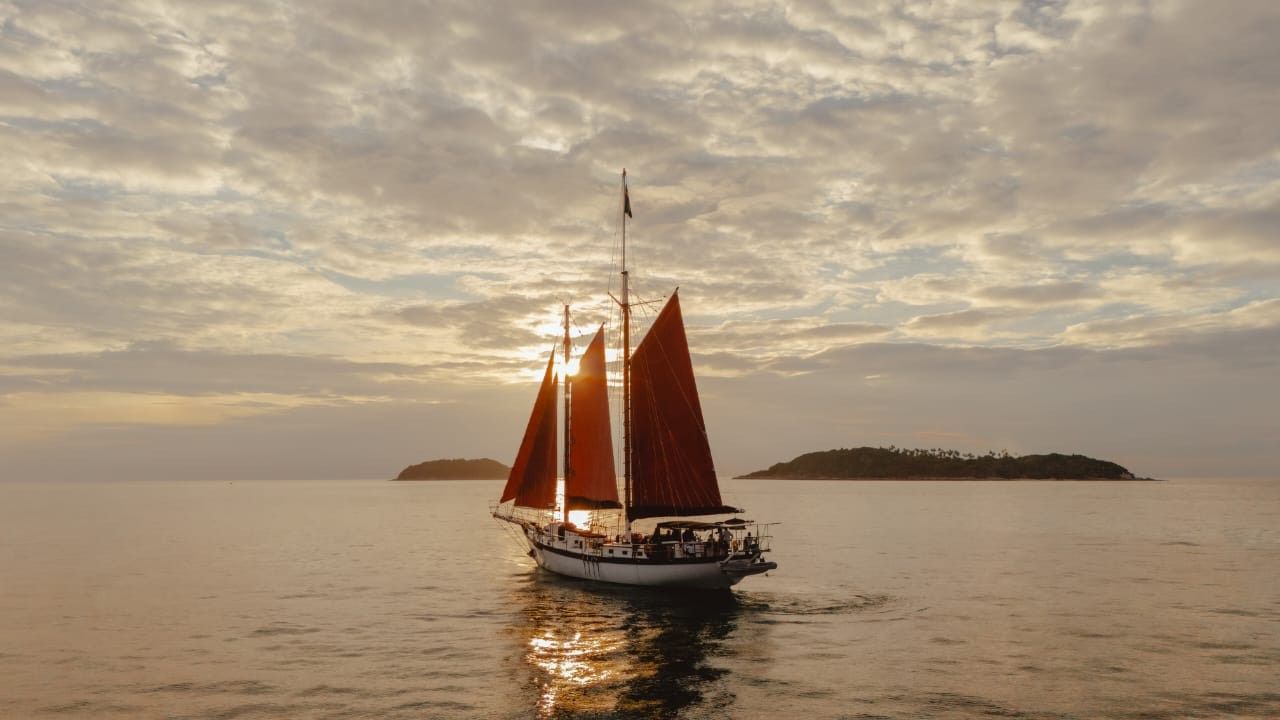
column 565, row 539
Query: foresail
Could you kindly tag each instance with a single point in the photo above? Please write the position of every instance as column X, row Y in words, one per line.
column 671, row 467
column 590, row 482
column 532, row 482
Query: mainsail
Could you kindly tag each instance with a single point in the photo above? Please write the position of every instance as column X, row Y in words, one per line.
column 671, row 467
column 532, row 482
column 590, row 481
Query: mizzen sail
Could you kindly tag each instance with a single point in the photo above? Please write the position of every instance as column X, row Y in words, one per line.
column 532, row 482
column 671, row 467
column 591, row 482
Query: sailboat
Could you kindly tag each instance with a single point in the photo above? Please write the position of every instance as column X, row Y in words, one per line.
column 668, row 472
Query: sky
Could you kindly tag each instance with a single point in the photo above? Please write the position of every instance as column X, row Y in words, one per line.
column 260, row 240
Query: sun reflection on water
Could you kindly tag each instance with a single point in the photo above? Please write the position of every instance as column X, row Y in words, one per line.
column 568, row 662
column 614, row 651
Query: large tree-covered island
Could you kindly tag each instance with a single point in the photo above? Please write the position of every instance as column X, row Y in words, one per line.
column 894, row 463
column 456, row 469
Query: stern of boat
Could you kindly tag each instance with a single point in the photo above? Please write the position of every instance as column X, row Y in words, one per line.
column 740, row 566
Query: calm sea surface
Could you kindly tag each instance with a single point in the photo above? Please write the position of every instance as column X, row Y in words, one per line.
column 406, row 600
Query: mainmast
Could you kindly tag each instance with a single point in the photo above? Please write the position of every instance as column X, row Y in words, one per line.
column 568, row 389
column 626, row 366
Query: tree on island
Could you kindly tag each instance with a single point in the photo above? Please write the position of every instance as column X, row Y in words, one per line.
column 893, row 462
column 456, row 469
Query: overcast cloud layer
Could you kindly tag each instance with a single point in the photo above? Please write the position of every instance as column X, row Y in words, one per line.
column 257, row 240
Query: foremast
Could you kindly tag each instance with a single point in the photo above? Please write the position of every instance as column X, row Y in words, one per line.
column 568, row 427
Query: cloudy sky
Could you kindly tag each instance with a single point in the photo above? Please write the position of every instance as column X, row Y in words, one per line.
column 290, row 240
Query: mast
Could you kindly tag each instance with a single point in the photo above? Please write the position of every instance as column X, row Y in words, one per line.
column 567, row 438
column 626, row 366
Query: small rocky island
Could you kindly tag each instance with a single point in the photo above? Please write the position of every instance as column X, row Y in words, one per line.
column 456, row 469
column 893, row 463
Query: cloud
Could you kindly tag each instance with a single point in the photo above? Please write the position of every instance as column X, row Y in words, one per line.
column 1044, row 293
column 36, row 416
column 333, row 202
column 951, row 324
column 1139, row 330
column 1157, row 409
column 167, row 369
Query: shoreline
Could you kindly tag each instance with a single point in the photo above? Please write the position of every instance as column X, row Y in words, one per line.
column 925, row 478
column 441, row 479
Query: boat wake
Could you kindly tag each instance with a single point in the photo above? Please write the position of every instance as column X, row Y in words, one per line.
column 812, row 605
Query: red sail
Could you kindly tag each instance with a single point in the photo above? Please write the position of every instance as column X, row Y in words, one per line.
column 671, row 468
column 590, row 482
column 532, row 482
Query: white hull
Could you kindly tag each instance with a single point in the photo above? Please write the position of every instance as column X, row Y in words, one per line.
column 627, row 564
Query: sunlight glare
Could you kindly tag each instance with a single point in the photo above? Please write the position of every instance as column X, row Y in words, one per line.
column 579, row 518
column 567, row 369
column 566, row 663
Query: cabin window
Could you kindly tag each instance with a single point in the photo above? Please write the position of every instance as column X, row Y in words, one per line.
column 610, row 552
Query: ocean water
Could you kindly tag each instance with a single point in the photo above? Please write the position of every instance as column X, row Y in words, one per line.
column 372, row 599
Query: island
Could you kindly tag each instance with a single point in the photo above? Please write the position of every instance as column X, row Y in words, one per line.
column 893, row 463
column 456, row 469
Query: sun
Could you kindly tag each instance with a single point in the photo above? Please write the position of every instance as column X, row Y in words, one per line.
column 567, row 369
column 580, row 518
